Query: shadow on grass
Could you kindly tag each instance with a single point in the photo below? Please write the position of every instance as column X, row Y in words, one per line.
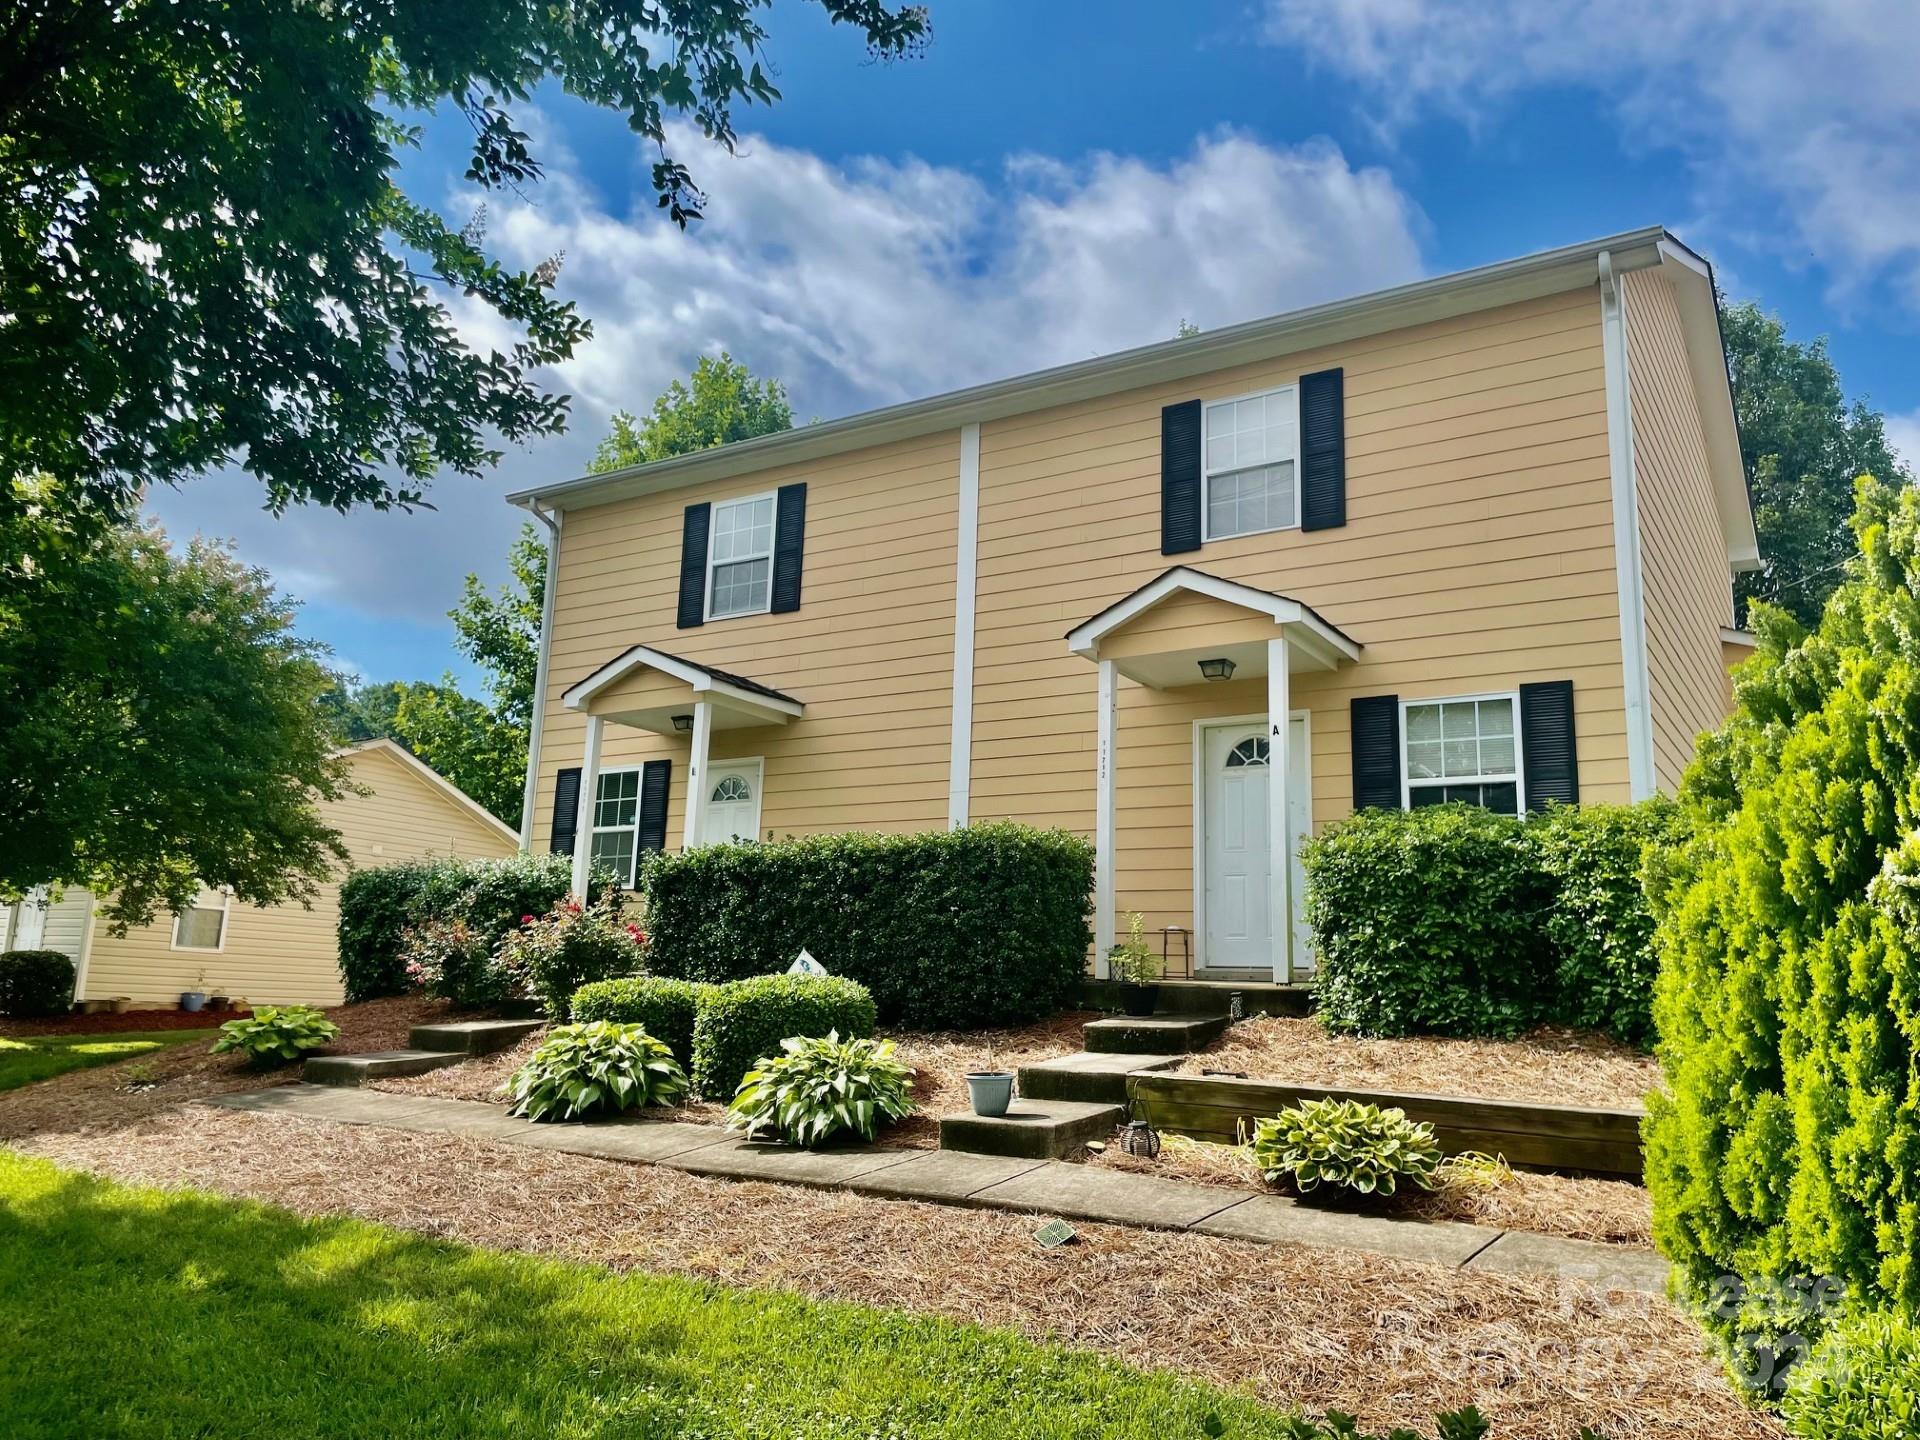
column 173, row 1314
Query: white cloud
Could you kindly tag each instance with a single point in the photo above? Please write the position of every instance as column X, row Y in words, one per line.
column 1797, row 115
column 856, row 284
column 1903, row 434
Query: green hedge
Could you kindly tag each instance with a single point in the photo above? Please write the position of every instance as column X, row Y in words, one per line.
column 663, row 1006
column 35, row 983
column 1788, row 1002
column 378, row 905
column 739, row 1022
column 985, row 925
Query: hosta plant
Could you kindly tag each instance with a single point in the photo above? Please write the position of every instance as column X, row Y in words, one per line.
column 596, row 1069
column 816, row 1088
column 276, row 1034
column 1348, row 1145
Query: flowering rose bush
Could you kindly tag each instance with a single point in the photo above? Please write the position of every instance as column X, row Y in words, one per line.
column 550, row 956
column 451, row 960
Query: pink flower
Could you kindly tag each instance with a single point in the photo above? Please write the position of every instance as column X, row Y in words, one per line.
column 526, row 919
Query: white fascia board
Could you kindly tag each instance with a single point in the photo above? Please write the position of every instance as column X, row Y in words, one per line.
column 697, row 677
column 433, row 777
column 1084, row 639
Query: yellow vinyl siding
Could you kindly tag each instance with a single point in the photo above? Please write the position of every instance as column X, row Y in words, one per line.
column 1685, row 578
column 1477, row 554
column 285, row 954
column 869, row 652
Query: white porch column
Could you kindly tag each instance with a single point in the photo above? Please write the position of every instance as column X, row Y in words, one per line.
column 1279, row 841
column 697, row 773
column 1103, row 823
column 583, row 819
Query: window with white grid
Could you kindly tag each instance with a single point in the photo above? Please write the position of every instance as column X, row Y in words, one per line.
column 1465, row 750
column 740, row 558
column 1251, row 464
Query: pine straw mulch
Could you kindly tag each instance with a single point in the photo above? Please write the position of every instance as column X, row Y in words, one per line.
column 142, row 1022
column 1614, row 1212
column 1390, row 1341
column 104, row 1096
column 1546, row 1066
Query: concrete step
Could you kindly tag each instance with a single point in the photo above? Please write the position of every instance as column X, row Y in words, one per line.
column 472, row 1037
column 1153, row 1034
column 379, row 1065
column 1088, row 1076
column 1032, row 1129
column 1212, row 997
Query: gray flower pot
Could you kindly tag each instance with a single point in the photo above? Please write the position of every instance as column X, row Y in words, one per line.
column 193, row 1000
column 991, row 1092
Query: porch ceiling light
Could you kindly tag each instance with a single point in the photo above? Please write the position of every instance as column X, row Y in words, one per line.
column 1218, row 669
column 683, row 722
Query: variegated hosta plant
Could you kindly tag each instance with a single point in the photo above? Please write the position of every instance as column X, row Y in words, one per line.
column 597, row 1069
column 816, row 1088
column 1344, row 1143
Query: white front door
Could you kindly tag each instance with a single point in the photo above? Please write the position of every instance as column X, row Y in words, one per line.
column 733, row 801
column 1237, row 902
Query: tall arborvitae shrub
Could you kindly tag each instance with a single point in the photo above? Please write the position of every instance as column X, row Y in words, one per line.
column 1788, row 1001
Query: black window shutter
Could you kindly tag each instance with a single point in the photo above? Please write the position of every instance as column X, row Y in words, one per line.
column 693, row 565
column 655, row 776
column 1323, row 450
column 1180, row 478
column 566, row 809
column 789, row 542
column 1548, row 755
column 1376, row 752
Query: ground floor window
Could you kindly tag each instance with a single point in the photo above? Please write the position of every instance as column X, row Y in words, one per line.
column 203, row 924
column 616, row 823
column 1463, row 750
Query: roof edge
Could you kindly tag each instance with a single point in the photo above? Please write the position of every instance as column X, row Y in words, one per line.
column 383, row 746
column 1440, row 297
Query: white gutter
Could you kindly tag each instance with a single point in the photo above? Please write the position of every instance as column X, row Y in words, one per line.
column 1626, row 532
column 552, row 520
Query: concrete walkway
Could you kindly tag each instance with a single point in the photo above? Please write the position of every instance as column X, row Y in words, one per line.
column 1041, row 1187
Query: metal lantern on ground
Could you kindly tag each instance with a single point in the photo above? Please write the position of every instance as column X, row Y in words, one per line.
column 1139, row 1138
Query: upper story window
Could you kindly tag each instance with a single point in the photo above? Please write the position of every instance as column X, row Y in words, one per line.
column 1251, row 466
column 1465, row 749
column 740, row 558
column 616, row 822
column 203, row 924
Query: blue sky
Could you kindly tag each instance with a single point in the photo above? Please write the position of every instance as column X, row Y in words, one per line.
column 1055, row 180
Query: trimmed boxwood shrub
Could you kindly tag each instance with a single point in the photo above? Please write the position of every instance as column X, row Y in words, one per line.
column 1428, row 921
column 1599, row 926
column 665, row 1007
column 1862, row 1383
column 985, row 925
column 1788, row 1002
column 34, row 983
column 378, row 906
column 738, row 1024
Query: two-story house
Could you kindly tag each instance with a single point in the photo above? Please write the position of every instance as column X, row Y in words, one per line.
column 1468, row 539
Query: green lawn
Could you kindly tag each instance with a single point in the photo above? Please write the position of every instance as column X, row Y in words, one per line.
column 172, row 1314
column 40, row 1057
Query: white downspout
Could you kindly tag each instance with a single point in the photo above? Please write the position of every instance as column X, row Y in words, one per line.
column 535, row 723
column 1626, row 533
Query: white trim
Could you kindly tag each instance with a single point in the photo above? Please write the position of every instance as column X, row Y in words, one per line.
column 702, row 681
column 772, row 497
column 755, row 763
column 1084, row 638
column 1207, row 474
column 1198, row 743
column 965, row 586
column 536, row 727
column 82, row 960
column 626, row 881
column 1552, row 272
column 426, row 772
column 1628, row 576
column 226, row 919
column 697, row 773
column 583, row 813
column 1103, row 817
column 1732, row 635
column 1279, row 828
column 1518, row 778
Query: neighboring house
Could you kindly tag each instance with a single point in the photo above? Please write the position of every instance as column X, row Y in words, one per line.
column 276, row 955
column 1468, row 539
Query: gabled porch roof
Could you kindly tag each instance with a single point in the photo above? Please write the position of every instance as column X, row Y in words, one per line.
column 619, row 691
column 1244, row 618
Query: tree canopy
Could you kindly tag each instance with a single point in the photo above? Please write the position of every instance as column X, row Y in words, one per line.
column 206, row 256
column 723, row 403
column 1804, row 446
column 163, row 729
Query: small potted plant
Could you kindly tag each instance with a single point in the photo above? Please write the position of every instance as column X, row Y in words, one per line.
column 196, row 998
column 1134, row 970
column 990, row 1089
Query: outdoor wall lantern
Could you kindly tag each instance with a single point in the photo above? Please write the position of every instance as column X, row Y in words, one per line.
column 1220, row 669
column 683, row 722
